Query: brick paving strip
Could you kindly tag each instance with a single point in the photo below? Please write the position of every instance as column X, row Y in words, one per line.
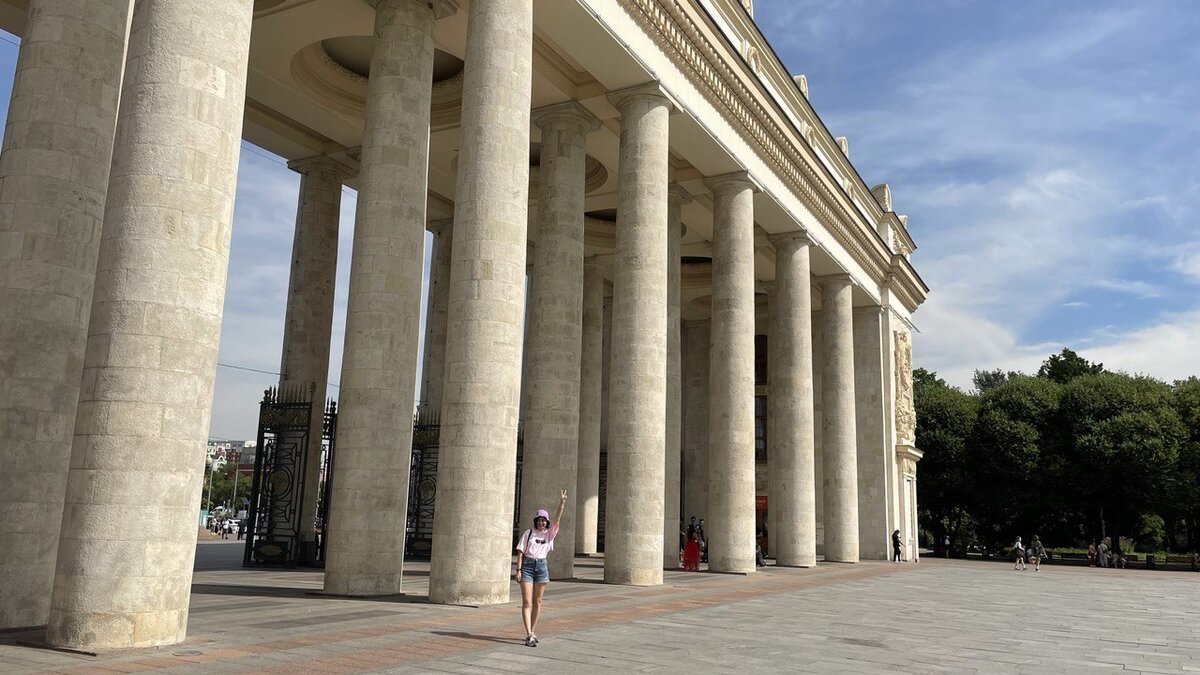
column 432, row 632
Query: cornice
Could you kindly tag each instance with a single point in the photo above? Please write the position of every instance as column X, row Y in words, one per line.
column 670, row 25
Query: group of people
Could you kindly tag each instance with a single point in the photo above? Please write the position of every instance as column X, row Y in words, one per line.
column 1104, row 555
column 1032, row 554
column 224, row 527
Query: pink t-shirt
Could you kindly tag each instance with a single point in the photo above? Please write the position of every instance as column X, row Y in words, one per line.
column 538, row 543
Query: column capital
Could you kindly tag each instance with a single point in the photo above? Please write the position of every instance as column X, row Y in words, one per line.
column 597, row 261
column 677, row 196
column 649, row 90
column 678, row 193
column 441, row 8
column 838, row 280
column 567, row 113
column 440, row 226
column 736, row 180
column 797, row 239
column 321, row 163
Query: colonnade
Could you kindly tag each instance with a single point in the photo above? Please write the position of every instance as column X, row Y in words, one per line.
column 155, row 313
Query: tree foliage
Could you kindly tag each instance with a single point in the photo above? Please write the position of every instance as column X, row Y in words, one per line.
column 1066, row 366
column 1071, row 454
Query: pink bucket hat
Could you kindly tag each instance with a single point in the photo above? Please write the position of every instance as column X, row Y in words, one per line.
column 543, row 513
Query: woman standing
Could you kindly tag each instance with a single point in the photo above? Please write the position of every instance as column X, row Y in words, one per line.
column 532, row 572
column 691, row 551
column 896, row 546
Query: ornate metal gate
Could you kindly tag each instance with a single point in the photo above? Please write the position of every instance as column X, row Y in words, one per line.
column 422, row 486
column 274, row 523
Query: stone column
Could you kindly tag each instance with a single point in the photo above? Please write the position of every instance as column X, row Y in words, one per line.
column 365, row 552
column 308, row 324
column 53, row 177
column 731, row 535
column 677, row 197
column 696, row 336
column 793, row 490
column 555, row 326
column 146, row 394
column 606, row 353
column 473, row 521
column 434, row 369
column 875, row 460
column 587, row 486
column 637, row 394
column 772, row 400
column 840, row 466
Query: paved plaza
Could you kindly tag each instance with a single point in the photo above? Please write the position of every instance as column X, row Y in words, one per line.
column 935, row 616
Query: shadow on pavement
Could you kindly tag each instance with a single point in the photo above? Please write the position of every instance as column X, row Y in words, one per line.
column 481, row 638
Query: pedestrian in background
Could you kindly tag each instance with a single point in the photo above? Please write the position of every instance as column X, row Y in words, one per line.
column 1018, row 551
column 691, row 550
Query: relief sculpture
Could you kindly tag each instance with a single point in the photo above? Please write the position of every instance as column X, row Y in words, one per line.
column 906, row 417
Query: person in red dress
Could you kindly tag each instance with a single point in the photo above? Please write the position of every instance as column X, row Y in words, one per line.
column 691, row 551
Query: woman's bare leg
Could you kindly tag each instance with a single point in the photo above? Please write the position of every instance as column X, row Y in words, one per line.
column 538, row 591
column 527, row 606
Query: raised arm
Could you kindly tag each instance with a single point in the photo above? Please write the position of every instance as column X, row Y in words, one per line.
column 562, row 504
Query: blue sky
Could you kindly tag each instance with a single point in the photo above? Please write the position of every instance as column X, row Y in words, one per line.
column 1045, row 153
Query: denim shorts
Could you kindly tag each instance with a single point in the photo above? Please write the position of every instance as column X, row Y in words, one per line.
column 535, row 570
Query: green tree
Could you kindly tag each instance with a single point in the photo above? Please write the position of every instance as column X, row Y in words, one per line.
column 945, row 416
column 1015, row 457
column 1184, row 504
column 1066, row 366
column 222, row 487
column 1124, row 435
column 990, row 379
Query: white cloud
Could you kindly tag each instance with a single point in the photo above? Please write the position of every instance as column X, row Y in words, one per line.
column 1168, row 349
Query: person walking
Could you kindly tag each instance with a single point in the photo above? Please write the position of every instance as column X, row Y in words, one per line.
column 1019, row 555
column 532, row 572
column 1092, row 554
column 1102, row 552
column 703, row 541
column 1037, row 553
column 896, row 547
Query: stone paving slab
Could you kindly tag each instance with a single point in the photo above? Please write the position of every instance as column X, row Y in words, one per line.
column 933, row 617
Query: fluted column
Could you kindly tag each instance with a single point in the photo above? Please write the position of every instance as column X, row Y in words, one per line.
column 146, row 394
column 637, row 391
column 57, row 142
column 308, row 322
column 473, row 522
column 696, row 339
column 591, row 364
column 731, row 530
column 549, row 464
column 434, row 368
column 677, row 197
column 793, row 490
column 840, row 466
column 365, row 552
